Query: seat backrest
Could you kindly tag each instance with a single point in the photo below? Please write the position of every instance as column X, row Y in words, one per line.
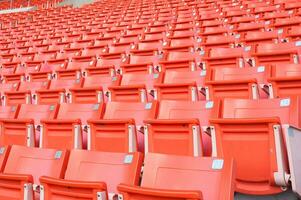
column 65, row 84
column 33, row 86
column 213, row 177
column 202, row 110
column 9, row 112
column 80, row 111
column 134, row 110
column 184, row 77
column 111, row 168
column 286, row 70
column 261, row 74
column 101, row 81
column 142, row 79
column 8, row 87
column 287, row 109
column 38, row 112
column 36, row 162
column 279, row 47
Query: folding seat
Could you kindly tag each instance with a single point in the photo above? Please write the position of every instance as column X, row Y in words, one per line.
column 261, row 135
column 188, row 178
column 92, row 35
column 249, row 82
column 94, row 89
column 293, row 33
column 225, row 57
column 180, row 43
column 270, row 53
column 134, row 87
column 218, row 41
column 81, row 44
column 8, row 72
column 181, row 85
column 93, row 51
column 185, row 125
column 104, row 41
column 9, row 112
column 258, row 37
column 24, row 129
column 180, row 61
column 92, row 183
column 115, row 60
column 243, row 28
column 155, row 34
column 21, row 181
column 25, row 93
column 243, row 19
column 148, row 47
column 140, row 63
column 287, row 22
column 206, row 31
column 58, row 91
column 75, row 67
column 285, row 80
column 128, row 39
column 293, row 5
column 68, row 129
column 121, row 130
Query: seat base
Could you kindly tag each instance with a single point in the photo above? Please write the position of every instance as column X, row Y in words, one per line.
column 287, row 195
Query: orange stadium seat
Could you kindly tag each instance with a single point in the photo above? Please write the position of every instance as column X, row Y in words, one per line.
column 84, row 179
column 248, row 82
column 181, row 127
column 19, row 181
column 121, row 126
column 66, row 131
column 188, row 178
column 252, row 132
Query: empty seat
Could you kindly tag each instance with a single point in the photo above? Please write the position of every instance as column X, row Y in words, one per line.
column 135, row 88
column 18, row 180
column 121, row 128
column 58, row 91
column 182, row 177
column 23, row 129
column 181, row 128
column 180, row 61
column 248, row 82
column 75, row 67
column 92, row 175
column 285, row 80
column 66, row 130
column 94, row 89
column 265, row 54
column 25, row 94
column 256, row 133
column 140, row 64
column 257, row 37
column 9, row 112
column 225, row 57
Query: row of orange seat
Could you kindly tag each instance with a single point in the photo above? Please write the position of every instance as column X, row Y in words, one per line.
column 48, row 174
column 281, row 80
column 265, row 132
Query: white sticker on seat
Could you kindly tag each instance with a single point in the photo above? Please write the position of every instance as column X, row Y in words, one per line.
column 260, row 69
column 285, row 102
column 148, row 106
column 218, row 164
column 128, row 159
column 298, row 43
column 58, row 154
column 209, row 104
